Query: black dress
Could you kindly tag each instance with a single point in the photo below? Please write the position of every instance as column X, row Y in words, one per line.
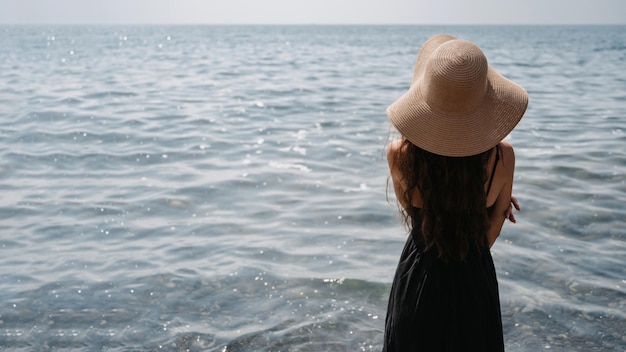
column 439, row 306
column 443, row 306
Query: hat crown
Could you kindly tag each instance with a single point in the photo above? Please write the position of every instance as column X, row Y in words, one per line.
column 455, row 78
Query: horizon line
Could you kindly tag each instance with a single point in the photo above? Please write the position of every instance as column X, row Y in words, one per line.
column 300, row 24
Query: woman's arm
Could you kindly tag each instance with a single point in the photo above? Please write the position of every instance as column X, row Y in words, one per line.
column 505, row 198
column 396, row 176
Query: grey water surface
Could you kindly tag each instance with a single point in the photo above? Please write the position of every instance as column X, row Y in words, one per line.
column 224, row 188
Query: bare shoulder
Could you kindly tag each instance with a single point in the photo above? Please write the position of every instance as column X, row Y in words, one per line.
column 508, row 155
column 506, row 146
column 392, row 150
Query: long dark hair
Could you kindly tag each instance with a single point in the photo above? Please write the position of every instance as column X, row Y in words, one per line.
column 453, row 217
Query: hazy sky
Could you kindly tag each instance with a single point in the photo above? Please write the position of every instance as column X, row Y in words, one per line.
column 313, row 11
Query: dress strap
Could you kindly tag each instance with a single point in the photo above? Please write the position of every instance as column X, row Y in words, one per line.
column 493, row 171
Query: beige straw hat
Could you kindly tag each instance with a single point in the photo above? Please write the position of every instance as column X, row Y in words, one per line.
column 457, row 105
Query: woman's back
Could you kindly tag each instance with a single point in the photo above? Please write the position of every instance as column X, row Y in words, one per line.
column 445, row 304
column 497, row 183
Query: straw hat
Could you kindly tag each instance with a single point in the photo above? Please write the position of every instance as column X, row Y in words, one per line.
column 457, row 105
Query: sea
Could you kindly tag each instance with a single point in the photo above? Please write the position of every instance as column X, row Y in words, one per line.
column 225, row 188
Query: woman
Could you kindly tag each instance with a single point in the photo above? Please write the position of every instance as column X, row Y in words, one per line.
column 452, row 174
